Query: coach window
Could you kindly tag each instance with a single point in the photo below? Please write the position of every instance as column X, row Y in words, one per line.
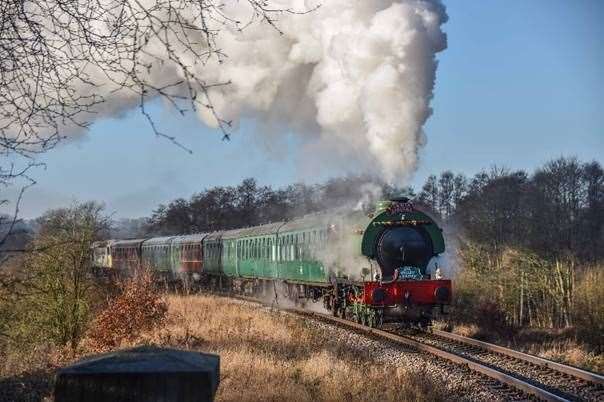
column 275, row 249
column 256, row 248
column 282, row 250
column 264, row 248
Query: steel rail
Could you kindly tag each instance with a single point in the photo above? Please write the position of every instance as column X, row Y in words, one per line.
column 538, row 361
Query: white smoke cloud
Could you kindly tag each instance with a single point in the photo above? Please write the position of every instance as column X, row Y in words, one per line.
column 359, row 73
column 353, row 78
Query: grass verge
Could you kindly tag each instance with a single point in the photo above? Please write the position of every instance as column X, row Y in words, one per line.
column 265, row 355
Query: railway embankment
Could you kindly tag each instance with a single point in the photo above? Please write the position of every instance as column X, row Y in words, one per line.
column 271, row 355
column 282, row 356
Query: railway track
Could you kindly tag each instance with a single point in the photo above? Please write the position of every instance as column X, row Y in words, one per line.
column 555, row 379
column 515, row 375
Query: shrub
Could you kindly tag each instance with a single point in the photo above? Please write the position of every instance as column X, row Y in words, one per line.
column 138, row 306
column 588, row 309
column 50, row 299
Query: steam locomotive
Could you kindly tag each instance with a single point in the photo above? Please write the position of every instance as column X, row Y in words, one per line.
column 371, row 268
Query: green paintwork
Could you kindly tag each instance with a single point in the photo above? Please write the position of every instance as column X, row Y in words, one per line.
column 158, row 257
column 213, row 262
column 296, row 261
column 378, row 224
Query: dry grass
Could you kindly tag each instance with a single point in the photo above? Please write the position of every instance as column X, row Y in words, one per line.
column 569, row 352
column 559, row 345
column 139, row 305
column 267, row 356
column 274, row 356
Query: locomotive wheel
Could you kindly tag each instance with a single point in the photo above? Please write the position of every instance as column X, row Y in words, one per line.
column 334, row 308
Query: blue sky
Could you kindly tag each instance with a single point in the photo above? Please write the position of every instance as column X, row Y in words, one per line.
column 520, row 83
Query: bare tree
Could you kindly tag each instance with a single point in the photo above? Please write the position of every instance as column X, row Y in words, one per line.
column 62, row 60
column 54, row 288
column 446, row 188
column 429, row 194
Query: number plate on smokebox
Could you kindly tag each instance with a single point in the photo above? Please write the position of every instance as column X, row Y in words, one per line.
column 407, row 273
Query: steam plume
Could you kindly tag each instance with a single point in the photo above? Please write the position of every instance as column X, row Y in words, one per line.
column 354, row 78
column 360, row 74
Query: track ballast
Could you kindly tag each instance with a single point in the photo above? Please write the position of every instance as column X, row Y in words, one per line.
column 516, row 375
